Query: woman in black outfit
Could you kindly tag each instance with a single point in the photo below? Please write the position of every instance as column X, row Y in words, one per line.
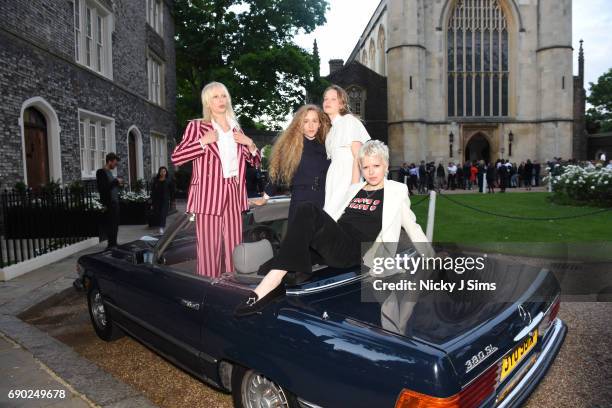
column 162, row 193
column 299, row 161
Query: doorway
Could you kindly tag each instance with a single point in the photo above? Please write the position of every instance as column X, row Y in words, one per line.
column 132, row 158
column 478, row 148
column 36, row 148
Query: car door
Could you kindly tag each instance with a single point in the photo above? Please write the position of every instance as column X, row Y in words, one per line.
column 175, row 315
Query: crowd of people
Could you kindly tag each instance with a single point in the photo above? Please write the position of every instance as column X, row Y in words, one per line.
column 469, row 175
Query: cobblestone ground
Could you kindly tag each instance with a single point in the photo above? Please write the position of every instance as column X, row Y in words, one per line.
column 580, row 376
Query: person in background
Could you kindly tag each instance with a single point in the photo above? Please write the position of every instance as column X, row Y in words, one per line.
column 452, row 173
column 299, row 161
column 413, row 184
column 342, row 144
column 528, row 174
column 217, row 196
column 108, row 187
column 482, row 171
column 440, row 177
column 252, row 181
column 422, row 177
column 162, row 193
column 491, row 178
column 403, row 174
column 537, row 168
column 502, row 171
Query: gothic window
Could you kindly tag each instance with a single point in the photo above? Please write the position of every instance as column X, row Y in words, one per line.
column 477, row 52
column 382, row 52
column 372, row 64
column 365, row 57
column 356, row 100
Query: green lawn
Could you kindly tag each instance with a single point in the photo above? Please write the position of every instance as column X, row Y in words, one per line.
column 458, row 224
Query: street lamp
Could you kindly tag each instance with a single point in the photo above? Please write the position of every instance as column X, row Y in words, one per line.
column 451, row 138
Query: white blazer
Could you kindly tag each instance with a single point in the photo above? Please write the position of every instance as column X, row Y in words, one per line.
column 396, row 215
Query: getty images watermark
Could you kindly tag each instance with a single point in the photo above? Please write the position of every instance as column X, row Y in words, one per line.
column 405, row 263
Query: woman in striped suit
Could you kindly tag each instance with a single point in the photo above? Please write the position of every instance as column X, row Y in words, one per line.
column 217, row 192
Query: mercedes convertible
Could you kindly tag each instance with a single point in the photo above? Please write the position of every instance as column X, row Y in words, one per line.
column 322, row 344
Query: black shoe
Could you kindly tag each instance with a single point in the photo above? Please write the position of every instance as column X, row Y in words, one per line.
column 253, row 304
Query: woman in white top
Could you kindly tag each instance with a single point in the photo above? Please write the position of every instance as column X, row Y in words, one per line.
column 342, row 144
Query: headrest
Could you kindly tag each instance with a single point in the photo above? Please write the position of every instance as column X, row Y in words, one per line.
column 248, row 257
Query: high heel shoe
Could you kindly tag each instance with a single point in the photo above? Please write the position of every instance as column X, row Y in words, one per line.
column 253, row 304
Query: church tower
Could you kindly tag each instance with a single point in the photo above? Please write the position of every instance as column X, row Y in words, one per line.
column 554, row 57
column 406, row 82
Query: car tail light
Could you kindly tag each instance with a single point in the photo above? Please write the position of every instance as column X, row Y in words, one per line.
column 470, row 397
column 550, row 316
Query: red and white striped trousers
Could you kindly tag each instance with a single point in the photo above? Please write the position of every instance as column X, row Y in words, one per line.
column 218, row 235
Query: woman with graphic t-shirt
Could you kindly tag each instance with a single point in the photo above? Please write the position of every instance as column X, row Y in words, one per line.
column 372, row 213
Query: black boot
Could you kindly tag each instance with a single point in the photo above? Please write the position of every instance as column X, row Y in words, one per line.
column 253, row 304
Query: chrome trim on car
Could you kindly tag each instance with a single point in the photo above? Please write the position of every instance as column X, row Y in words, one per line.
column 557, row 327
column 307, row 291
column 305, row 404
column 528, row 329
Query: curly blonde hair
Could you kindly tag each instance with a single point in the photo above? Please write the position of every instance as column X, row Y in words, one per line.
column 288, row 148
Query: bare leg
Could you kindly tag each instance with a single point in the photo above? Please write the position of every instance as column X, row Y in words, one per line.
column 269, row 282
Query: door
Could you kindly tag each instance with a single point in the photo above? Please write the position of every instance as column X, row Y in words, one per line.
column 132, row 158
column 36, row 148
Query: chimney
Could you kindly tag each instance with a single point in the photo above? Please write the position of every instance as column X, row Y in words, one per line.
column 335, row 65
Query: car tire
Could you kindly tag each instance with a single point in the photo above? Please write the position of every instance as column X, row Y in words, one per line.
column 247, row 382
column 100, row 316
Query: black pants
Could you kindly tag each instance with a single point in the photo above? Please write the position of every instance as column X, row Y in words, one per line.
column 112, row 223
column 313, row 237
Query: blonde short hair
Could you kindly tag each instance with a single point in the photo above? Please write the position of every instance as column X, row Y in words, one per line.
column 374, row 148
column 207, row 96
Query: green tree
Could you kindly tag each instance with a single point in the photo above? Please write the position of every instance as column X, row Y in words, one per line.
column 247, row 45
column 599, row 116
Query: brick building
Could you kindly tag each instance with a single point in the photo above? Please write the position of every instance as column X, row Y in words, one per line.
column 81, row 78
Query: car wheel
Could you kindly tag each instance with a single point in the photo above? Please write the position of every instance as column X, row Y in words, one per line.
column 251, row 389
column 100, row 316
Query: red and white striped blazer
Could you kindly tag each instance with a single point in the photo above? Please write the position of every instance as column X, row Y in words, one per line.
column 204, row 195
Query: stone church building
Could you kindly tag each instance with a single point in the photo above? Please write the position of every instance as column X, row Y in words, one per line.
column 469, row 80
column 82, row 78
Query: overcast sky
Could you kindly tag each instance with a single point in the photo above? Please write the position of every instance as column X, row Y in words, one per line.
column 346, row 20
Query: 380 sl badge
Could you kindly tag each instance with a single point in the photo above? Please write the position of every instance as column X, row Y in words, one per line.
column 479, row 358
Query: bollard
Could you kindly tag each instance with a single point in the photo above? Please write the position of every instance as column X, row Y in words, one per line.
column 431, row 214
column 484, row 185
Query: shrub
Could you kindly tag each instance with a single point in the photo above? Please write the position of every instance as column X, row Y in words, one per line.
column 579, row 185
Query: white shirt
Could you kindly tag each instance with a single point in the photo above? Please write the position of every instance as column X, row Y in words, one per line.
column 228, row 149
column 452, row 169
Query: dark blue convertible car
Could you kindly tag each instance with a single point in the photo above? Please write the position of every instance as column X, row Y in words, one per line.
column 321, row 345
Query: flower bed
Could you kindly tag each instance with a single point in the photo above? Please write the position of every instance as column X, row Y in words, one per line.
column 580, row 185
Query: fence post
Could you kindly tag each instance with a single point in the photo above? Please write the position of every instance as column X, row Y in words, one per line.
column 431, row 214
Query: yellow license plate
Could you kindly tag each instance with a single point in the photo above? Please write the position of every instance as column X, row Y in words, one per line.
column 512, row 359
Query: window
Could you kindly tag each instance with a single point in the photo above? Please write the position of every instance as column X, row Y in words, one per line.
column 159, row 152
column 92, row 27
column 356, row 100
column 155, row 15
column 155, row 73
column 477, row 53
column 95, row 140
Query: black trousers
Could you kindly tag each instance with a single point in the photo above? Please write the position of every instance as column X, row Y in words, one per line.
column 313, row 237
column 112, row 223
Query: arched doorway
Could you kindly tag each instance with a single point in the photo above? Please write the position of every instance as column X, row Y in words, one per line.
column 36, row 147
column 478, row 148
column 135, row 163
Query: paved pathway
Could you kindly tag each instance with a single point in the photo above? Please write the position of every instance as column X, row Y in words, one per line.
column 32, row 360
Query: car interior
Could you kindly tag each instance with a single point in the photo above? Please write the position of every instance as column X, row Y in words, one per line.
column 263, row 229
